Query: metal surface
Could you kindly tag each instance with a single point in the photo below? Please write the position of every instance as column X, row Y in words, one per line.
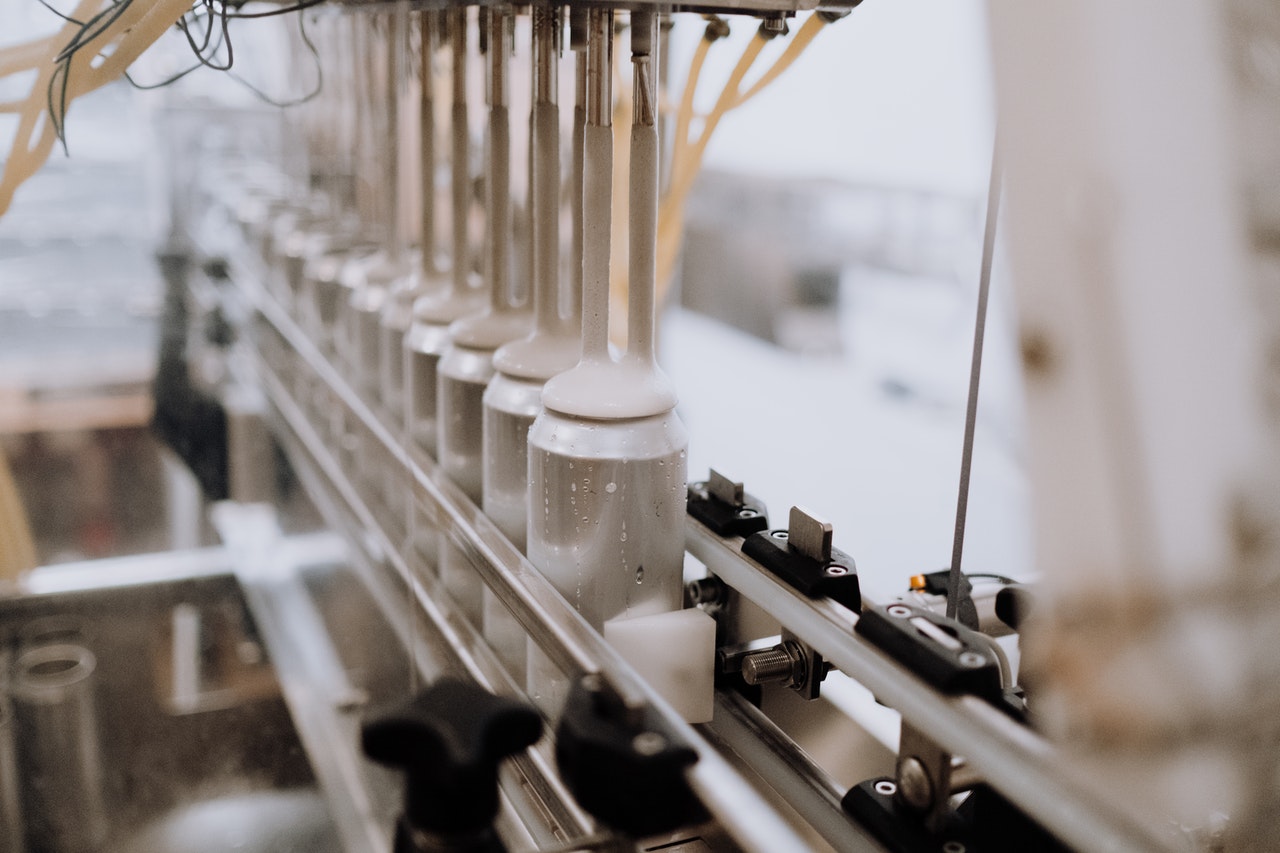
column 924, row 776
column 740, row 728
column 12, row 827
column 55, row 709
column 1019, row 763
column 809, row 535
column 783, row 664
column 724, row 489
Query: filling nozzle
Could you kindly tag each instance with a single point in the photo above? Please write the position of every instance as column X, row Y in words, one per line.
column 600, row 67
column 643, row 238
column 597, row 194
column 428, row 27
column 501, row 294
column 546, row 177
column 460, row 153
column 396, row 46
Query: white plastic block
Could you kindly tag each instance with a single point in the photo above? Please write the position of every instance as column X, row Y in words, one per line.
column 675, row 653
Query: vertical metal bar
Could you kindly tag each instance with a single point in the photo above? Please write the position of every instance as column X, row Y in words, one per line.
column 975, row 375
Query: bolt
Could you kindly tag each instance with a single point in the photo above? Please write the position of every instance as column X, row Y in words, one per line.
column 973, row 660
column 775, row 26
column 782, row 664
column 953, row 847
column 915, row 788
column 747, row 513
column 898, row 610
column 648, row 743
column 836, row 571
column 778, row 534
column 705, row 591
column 766, row 667
column 885, row 787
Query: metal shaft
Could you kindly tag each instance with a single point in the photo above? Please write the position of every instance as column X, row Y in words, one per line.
column 975, row 375
column 460, row 154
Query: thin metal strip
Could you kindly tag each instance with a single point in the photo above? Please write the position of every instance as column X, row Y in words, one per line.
column 740, row 727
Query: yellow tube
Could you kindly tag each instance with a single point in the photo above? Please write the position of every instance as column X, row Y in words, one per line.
column 25, row 56
column 137, row 28
column 687, row 162
column 17, row 549
column 684, row 115
column 806, row 34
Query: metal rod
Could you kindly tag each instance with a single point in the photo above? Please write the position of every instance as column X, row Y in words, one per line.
column 600, row 67
column 545, row 180
column 397, row 37
column 460, row 155
column 498, row 179
column 643, row 237
column 975, row 376
column 597, row 192
column 428, row 23
column 741, row 728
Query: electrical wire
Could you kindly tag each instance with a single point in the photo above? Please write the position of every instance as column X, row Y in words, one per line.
column 301, row 99
column 97, row 44
column 297, row 7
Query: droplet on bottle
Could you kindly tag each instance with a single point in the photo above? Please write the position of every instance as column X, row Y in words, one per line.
column 639, row 574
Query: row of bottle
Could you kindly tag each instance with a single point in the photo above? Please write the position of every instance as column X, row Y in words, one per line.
column 573, row 449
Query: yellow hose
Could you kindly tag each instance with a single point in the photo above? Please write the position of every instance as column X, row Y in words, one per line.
column 17, row 550
column 688, row 162
column 684, row 114
column 136, row 29
column 806, row 34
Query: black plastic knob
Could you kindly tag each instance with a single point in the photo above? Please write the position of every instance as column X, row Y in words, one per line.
column 449, row 740
column 628, row 773
column 1013, row 603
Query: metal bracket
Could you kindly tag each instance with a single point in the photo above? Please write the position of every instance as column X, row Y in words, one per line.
column 783, row 660
column 923, row 775
column 803, row 557
column 725, row 507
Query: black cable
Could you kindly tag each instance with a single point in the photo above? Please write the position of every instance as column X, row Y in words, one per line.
column 297, row 7
column 198, row 50
column 311, row 48
column 59, row 80
column 202, row 62
column 68, row 18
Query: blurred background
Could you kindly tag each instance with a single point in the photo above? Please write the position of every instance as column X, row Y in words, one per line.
column 825, row 294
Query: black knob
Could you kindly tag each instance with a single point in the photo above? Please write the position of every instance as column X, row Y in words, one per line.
column 623, row 766
column 449, row 740
column 1013, row 603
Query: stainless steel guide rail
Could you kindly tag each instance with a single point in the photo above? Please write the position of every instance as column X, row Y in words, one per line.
column 1014, row 759
column 1018, row 762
